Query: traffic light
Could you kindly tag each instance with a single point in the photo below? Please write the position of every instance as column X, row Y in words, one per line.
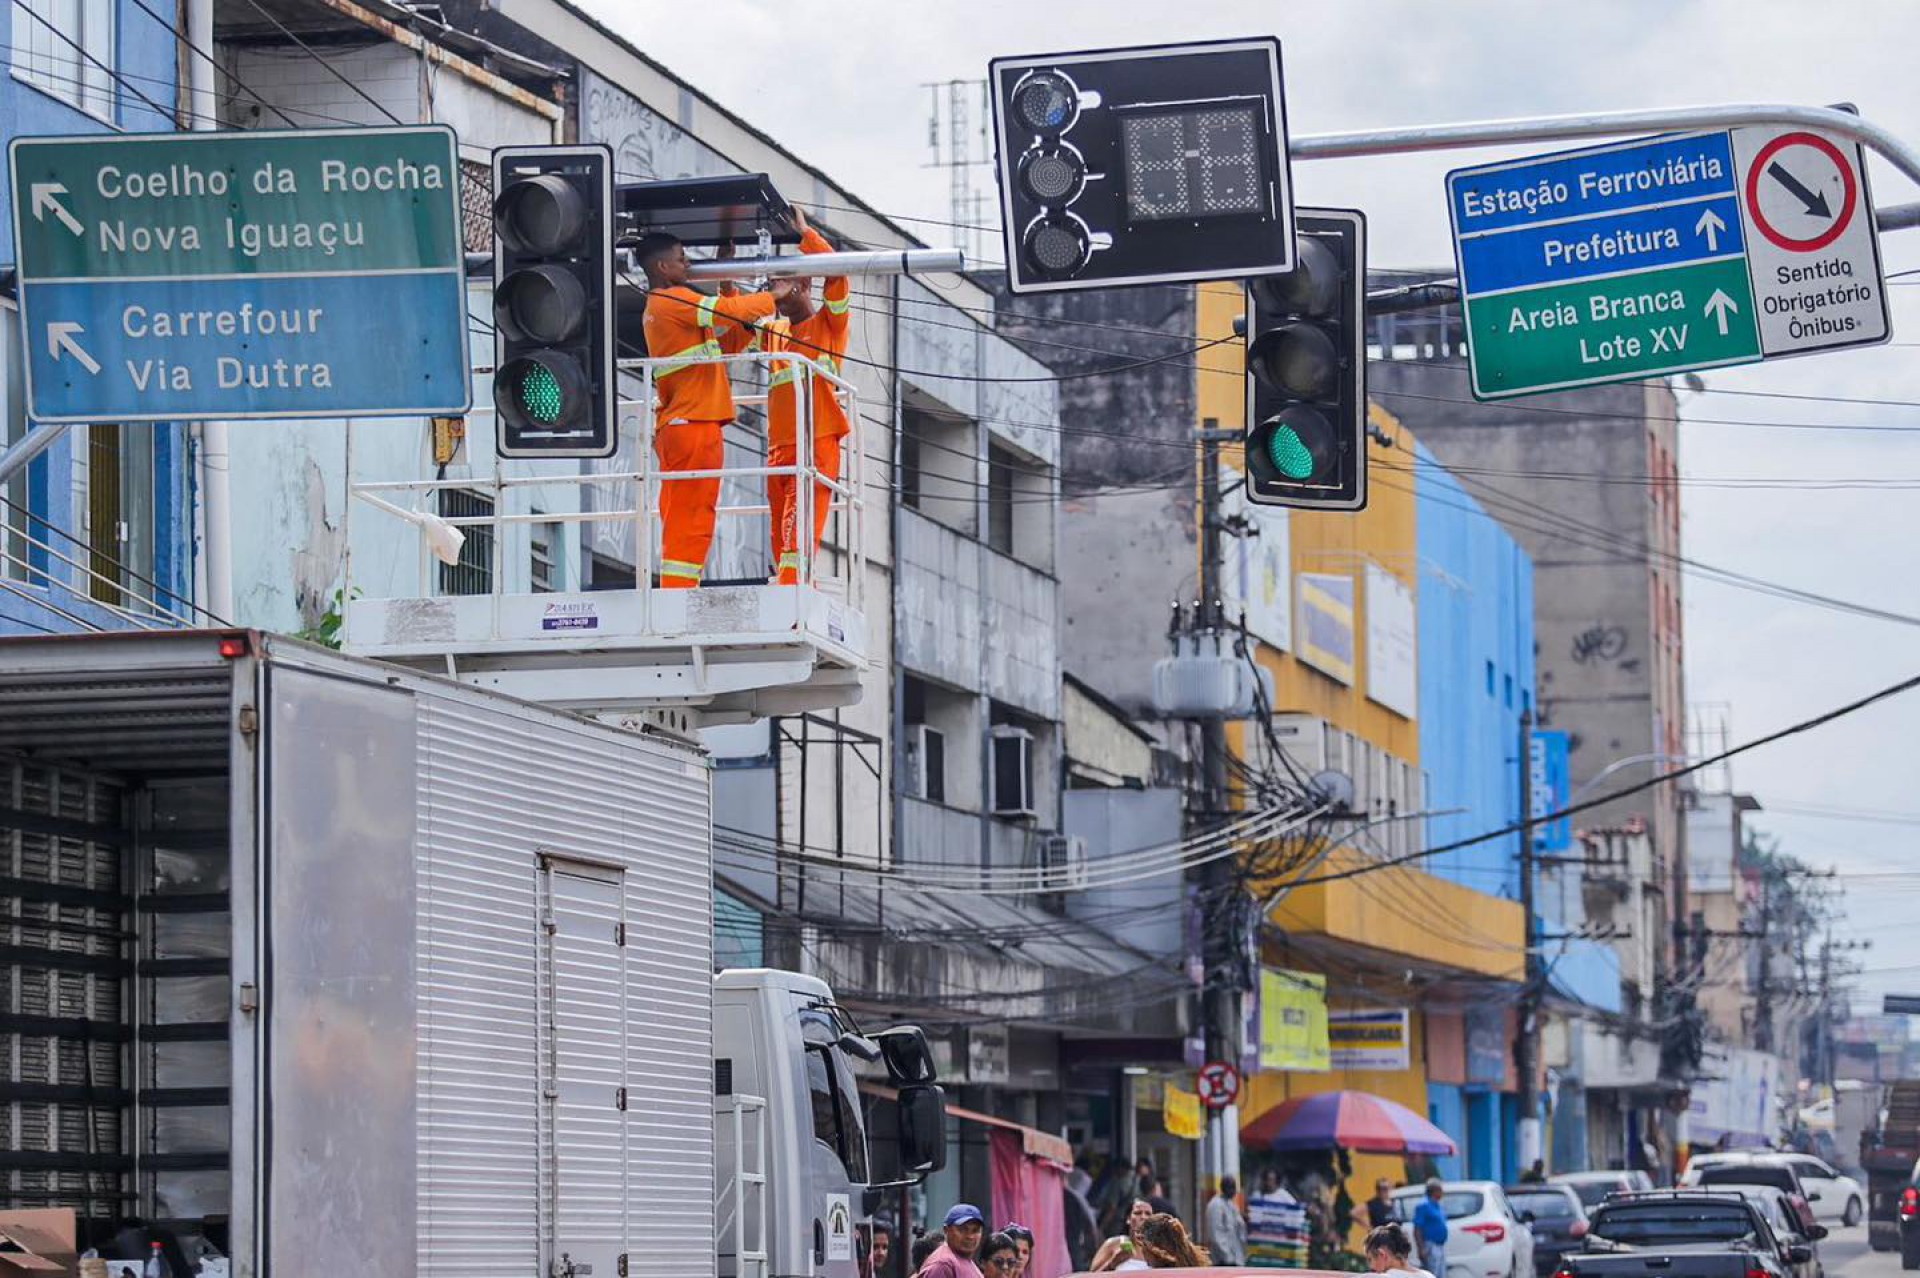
column 1307, row 370
column 555, row 389
column 1148, row 165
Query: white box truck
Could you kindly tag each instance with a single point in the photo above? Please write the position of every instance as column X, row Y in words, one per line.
column 329, row 966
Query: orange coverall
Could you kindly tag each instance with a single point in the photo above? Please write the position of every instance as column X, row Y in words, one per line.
column 695, row 405
column 822, row 337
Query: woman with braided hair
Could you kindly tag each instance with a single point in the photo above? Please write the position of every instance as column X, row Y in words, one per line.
column 1164, row 1245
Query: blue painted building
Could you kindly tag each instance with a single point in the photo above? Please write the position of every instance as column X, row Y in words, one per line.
column 96, row 532
column 1475, row 609
column 1476, row 624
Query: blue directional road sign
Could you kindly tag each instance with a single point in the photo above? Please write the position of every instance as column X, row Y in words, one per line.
column 184, row 276
column 1665, row 254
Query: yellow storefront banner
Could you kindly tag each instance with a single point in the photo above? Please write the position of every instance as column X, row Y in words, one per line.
column 1293, row 1020
column 1180, row 1114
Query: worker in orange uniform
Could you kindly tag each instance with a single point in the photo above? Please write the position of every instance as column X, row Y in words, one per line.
column 684, row 329
column 821, row 336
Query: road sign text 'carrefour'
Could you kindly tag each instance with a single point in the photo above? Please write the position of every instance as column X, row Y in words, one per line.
column 317, row 273
column 1663, row 255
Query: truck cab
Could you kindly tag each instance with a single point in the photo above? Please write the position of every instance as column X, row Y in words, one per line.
column 796, row 1176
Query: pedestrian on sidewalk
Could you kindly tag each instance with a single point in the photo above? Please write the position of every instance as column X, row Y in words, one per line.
column 1121, row 1253
column 999, row 1257
column 1380, row 1210
column 1430, row 1229
column 1023, row 1243
column 1389, row 1253
column 1226, row 1227
column 963, row 1230
column 1165, row 1245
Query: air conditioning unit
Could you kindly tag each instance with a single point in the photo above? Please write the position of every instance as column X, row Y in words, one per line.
column 926, row 763
column 1012, row 771
column 1063, row 859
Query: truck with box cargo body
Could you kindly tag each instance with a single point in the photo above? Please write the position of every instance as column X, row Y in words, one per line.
column 313, row 961
column 1888, row 1155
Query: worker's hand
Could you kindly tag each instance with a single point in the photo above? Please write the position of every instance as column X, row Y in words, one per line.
column 783, row 288
column 724, row 253
column 800, row 219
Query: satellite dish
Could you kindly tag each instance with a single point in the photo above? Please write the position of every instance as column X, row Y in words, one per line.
column 1336, row 788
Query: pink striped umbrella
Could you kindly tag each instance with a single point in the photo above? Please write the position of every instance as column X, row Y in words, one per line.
column 1358, row 1121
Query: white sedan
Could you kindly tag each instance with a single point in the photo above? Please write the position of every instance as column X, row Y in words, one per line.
column 1485, row 1235
column 1836, row 1197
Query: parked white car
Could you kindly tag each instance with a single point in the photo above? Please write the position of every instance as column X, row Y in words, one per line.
column 1836, row 1198
column 1485, row 1235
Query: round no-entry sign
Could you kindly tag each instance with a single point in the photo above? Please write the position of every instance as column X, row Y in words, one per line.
column 1219, row 1085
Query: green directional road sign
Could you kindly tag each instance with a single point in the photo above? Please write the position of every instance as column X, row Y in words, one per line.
column 1622, row 326
column 317, row 273
column 1662, row 255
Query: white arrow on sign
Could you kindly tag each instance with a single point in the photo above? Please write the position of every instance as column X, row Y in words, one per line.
column 1718, row 305
column 1710, row 226
column 44, row 198
column 60, row 340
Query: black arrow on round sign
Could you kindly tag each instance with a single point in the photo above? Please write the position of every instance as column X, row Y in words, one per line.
column 1816, row 202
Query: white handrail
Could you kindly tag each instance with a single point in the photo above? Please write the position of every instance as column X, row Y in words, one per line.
column 390, row 495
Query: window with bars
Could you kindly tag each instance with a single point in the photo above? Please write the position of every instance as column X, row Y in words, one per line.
column 476, row 206
column 65, row 48
column 473, row 575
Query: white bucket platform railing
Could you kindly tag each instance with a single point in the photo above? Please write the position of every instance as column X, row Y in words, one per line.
column 726, row 650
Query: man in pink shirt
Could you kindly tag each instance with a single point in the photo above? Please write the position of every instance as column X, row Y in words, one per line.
column 964, row 1229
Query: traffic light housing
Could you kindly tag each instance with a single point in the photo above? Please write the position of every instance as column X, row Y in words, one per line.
column 555, row 385
column 1144, row 165
column 1307, row 370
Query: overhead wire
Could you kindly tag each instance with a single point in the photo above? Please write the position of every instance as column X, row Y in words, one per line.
column 1659, row 779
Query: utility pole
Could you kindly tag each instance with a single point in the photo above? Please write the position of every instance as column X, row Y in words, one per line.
column 1220, row 919
column 1763, row 997
column 1526, row 1049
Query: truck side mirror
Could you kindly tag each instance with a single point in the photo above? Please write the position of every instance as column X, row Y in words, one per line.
column 908, row 1056
column 923, row 1128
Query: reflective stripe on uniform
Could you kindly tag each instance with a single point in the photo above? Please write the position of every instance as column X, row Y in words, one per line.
column 790, row 560
column 703, row 314
column 785, row 374
column 839, row 307
column 680, row 568
column 687, row 358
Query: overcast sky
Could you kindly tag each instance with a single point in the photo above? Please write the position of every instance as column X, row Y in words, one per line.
column 842, row 85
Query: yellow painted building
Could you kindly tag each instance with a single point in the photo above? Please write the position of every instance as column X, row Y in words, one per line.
column 1367, row 934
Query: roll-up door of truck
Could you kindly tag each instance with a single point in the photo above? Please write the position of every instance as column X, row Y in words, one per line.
column 585, row 1063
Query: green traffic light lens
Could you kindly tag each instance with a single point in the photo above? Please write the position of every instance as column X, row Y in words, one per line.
column 540, row 395
column 1290, row 455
